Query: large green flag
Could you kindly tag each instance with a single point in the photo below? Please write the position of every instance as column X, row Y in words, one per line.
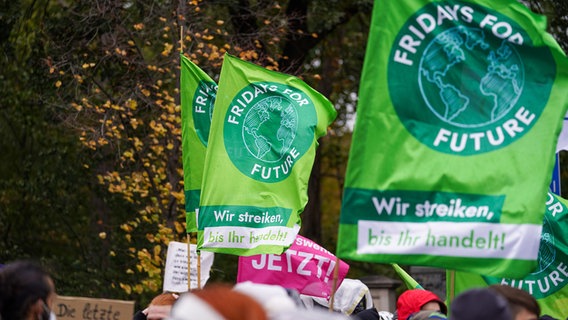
column 460, row 107
column 548, row 283
column 197, row 93
column 259, row 158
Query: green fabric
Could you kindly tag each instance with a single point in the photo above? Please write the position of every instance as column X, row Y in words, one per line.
column 460, row 106
column 197, row 94
column 406, row 278
column 261, row 151
column 549, row 283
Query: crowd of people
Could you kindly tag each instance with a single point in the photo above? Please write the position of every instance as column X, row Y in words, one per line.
column 27, row 292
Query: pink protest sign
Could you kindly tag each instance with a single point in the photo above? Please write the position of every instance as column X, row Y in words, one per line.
column 305, row 266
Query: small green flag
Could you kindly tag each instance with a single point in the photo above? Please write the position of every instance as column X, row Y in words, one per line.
column 460, row 106
column 197, row 93
column 548, row 283
column 259, row 158
column 406, row 278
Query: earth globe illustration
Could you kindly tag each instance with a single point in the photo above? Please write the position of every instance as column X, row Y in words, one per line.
column 469, row 80
column 546, row 250
column 269, row 128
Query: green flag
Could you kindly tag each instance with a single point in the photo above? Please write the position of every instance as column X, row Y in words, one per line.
column 548, row 283
column 261, row 151
column 460, row 106
column 406, row 278
column 197, row 93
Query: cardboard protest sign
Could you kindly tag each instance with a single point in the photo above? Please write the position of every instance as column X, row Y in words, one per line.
column 175, row 274
column 305, row 266
column 259, row 158
column 81, row 308
column 460, row 107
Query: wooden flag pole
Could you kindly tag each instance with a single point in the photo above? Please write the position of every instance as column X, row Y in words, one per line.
column 334, row 285
column 188, row 262
column 452, row 284
column 181, row 40
column 188, row 234
column 198, row 269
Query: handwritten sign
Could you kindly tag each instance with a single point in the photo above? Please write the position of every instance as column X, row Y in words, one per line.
column 175, row 274
column 78, row 308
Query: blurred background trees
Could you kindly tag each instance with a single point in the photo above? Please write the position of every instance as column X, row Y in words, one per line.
column 90, row 123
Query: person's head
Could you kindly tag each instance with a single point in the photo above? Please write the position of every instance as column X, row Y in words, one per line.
column 412, row 301
column 477, row 304
column 217, row 302
column 522, row 304
column 26, row 291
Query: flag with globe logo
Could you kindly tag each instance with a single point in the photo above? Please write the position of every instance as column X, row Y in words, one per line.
column 259, row 158
column 548, row 282
column 460, row 106
column 197, row 94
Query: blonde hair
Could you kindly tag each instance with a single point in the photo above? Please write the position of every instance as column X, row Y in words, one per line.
column 164, row 299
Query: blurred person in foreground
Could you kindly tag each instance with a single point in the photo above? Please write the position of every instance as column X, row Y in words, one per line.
column 27, row 292
column 159, row 307
column 480, row 303
column 523, row 306
column 216, row 302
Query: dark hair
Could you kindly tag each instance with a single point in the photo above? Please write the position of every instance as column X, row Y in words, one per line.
column 518, row 299
column 22, row 283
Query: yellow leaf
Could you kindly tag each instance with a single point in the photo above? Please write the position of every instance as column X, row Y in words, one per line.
column 179, row 227
column 102, row 235
column 167, row 49
column 126, row 288
column 134, row 123
column 58, row 84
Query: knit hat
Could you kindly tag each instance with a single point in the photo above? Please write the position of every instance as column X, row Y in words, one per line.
column 273, row 298
column 476, row 304
column 217, row 303
column 411, row 301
